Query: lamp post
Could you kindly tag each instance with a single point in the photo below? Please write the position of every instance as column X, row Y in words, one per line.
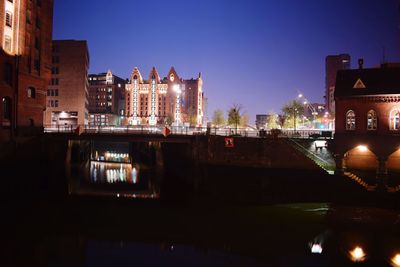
column 314, row 113
column 178, row 92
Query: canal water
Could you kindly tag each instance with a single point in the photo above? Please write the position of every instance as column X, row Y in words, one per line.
column 122, row 212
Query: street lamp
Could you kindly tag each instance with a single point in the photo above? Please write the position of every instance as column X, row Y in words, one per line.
column 314, row 113
column 178, row 91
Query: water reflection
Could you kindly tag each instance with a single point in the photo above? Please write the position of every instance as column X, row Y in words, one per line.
column 101, row 172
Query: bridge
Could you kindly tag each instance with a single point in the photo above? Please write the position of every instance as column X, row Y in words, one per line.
column 187, row 131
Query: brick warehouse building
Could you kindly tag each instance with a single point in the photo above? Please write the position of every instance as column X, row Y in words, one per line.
column 67, row 91
column 25, row 61
column 367, row 134
column 168, row 100
column 106, row 99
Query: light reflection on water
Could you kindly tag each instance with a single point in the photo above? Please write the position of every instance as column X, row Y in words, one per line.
column 110, row 173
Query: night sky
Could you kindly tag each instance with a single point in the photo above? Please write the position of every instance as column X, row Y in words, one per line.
column 256, row 53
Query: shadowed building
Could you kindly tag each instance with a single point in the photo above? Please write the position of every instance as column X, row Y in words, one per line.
column 106, row 99
column 164, row 101
column 333, row 64
column 25, row 55
column 367, row 134
column 67, row 92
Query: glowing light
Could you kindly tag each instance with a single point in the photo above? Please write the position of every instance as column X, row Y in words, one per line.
column 177, row 89
column 316, row 248
column 396, row 260
column 362, row 148
column 300, row 95
column 305, row 102
column 357, row 254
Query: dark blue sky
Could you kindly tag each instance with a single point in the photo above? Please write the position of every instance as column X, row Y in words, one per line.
column 257, row 53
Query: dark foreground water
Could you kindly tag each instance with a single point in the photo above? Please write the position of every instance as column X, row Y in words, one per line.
column 119, row 214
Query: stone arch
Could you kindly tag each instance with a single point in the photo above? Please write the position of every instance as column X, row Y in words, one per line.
column 361, row 158
column 393, row 161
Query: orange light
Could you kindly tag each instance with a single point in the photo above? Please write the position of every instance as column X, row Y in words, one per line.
column 362, row 148
column 396, row 260
column 357, row 254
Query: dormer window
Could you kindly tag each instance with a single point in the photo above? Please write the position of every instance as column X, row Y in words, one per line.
column 395, row 119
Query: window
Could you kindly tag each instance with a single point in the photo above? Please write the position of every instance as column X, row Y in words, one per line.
column 8, row 19
column 31, row 92
column 48, row 92
column 6, row 108
column 56, row 103
column 56, row 92
column 7, row 73
column 37, row 43
column 350, row 120
column 7, row 43
column 28, row 16
column 372, row 120
column 37, row 64
column 395, row 119
column 38, row 23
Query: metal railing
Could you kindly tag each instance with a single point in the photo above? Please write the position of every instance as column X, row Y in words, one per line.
column 184, row 130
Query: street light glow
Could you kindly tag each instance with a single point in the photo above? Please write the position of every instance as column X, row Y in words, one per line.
column 362, row 148
column 177, row 89
column 396, row 260
column 357, row 254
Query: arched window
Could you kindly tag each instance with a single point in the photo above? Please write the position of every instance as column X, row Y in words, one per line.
column 395, row 119
column 31, row 92
column 350, row 120
column 6, row 102
column 372, row 122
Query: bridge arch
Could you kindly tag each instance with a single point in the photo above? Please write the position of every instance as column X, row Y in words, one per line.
column 360, row 157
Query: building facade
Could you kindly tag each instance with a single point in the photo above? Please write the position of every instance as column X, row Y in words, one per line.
column 170, row 100
column 333, row 64
column 106, row 99
column 67, row 91
column 367, row 129
column 25, row 57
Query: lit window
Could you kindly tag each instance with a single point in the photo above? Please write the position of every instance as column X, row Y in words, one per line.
column 31, row 92
column 8, row 19
column 7, row 43
column 372, row 120
column 395, row 119
column 350, row 120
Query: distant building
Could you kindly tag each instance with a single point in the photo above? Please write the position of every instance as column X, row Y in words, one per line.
column 261, row 121
column 161, row 101
column 25, row 54
column 367, row 129
column 333, row 63
column 106, row 99
column 67, row 92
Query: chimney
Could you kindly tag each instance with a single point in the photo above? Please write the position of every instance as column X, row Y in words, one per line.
column 360, row 63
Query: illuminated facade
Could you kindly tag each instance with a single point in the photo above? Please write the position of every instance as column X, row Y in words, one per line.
column 67, row 91
column 106, row 99
column 170, row 100
column 25, row 57
column 367, row 129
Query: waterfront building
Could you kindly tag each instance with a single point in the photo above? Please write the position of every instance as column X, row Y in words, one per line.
column 171, row 100
column 106, row 99
column 67, row 91
column 25, row 55
column 333, row 64
column 367, row 129
column 261, row 121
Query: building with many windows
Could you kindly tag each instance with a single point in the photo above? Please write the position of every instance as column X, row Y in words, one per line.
column 333, row 64
column 171, row 100
column 67, row 91
column 25, row 54
column 367, row 129
column 106, row 99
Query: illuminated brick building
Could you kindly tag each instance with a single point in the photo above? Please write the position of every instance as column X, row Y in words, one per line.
column 367, row 129
column 106, row 99
column 25, row 55
column 67, row 92
column 160, row 101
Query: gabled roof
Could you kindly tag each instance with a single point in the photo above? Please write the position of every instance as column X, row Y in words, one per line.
column 377, row 81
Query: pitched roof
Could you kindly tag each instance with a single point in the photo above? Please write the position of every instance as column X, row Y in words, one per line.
column 367, row 82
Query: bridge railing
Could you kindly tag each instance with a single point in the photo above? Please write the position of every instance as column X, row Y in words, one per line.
column 184, row 130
